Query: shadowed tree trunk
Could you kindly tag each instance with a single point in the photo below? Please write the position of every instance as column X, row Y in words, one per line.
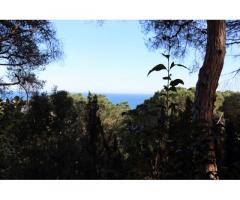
column 206, row 88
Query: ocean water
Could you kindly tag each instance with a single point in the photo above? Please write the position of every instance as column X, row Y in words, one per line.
column 132, row 99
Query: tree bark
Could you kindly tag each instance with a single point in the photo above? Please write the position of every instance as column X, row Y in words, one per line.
column 206, row 87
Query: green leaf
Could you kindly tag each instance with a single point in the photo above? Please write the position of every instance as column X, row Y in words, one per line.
column 173, row 88
column 167, row 78
column 173, row 105
column 150, row 147
column 157, row 68
column 176, row 82
column 165, row 88
column 162, row 106
column 168, row 140
column 162, row 94
column 166, row 56
column 180, row 65
column 172, row 65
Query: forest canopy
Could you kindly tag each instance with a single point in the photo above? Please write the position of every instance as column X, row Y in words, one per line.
column 65, row 136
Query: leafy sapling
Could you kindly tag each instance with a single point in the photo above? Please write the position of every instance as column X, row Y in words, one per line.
column 171, row 85
column 169, row 109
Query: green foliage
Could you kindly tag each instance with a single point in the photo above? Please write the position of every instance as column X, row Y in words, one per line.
column 26, row 47
column 170, row 110
column 157, row 68
column 231, row 106
column 175, row 82
column 58, row 136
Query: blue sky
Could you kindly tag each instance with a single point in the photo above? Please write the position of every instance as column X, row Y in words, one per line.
column 113, row 58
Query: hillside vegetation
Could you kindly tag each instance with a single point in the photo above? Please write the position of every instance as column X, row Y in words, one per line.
column 64, row 136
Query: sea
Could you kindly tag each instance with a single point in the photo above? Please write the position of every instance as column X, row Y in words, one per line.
column 132, row 99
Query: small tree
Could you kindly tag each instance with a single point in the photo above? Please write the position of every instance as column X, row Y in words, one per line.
column 169, row 107
column 170, row 87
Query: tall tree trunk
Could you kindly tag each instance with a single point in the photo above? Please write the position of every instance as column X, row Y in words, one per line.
column 206, row 87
